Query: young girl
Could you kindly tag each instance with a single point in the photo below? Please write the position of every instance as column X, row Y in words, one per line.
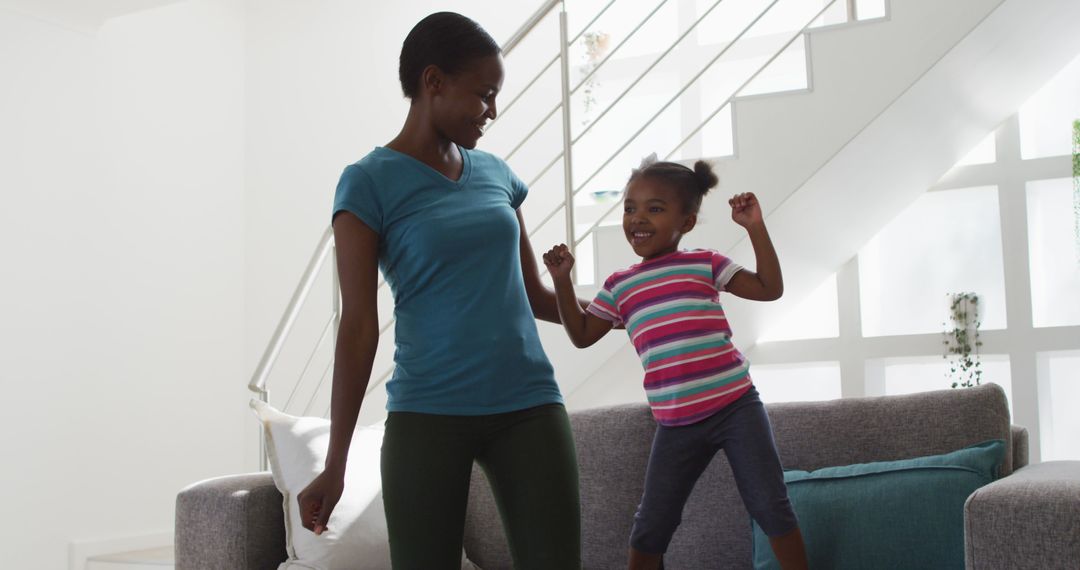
column 696, row 381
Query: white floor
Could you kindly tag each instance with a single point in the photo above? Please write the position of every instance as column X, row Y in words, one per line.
column 151, row 559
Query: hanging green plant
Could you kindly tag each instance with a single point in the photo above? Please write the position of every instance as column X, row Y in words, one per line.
column 962, row 341
column 596, row 47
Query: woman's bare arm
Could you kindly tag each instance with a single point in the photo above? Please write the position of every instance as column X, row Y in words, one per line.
column 357, row 248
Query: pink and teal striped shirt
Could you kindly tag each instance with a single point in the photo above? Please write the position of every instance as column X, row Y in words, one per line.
column 671, row 309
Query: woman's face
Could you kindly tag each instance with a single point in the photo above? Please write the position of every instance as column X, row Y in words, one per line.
column 464, row 102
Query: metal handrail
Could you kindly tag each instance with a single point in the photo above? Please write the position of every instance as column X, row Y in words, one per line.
column 678, row 94
column 592, row 72
column 550, row 63
column 303, row 372
column 528, row 26
column 315, row 392
column 633, row 84
column 370, row 387
column 257, row 384
column 717, row 110
column 726, row 102
column 269, row 357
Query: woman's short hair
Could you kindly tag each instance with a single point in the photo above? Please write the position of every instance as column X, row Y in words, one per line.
column 446, row 40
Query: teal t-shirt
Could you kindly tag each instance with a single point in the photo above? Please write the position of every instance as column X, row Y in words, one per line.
column 465, row 336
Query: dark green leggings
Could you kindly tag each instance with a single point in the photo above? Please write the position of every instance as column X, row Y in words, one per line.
column 530, row 462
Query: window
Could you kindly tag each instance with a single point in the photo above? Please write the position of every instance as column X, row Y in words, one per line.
column 984, row 153
column 802, row 382
column 1060, row 391
column 816, row 316
column 833, row 15
column 1046, row 119
column 867, row 9
column 586, row 259
column 864, row 10
column 786, row 73
column 1053, row 253
column 925, row 373
column 716, row 138
column 946, row 242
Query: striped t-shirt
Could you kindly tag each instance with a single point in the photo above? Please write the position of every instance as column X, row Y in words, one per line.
column 671, row 309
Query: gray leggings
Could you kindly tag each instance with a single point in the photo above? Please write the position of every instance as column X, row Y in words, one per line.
column 681, row 454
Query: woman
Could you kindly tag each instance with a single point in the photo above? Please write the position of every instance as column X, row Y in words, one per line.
column 471, row 380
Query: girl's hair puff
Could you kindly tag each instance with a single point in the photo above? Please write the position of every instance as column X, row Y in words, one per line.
column 691, row 184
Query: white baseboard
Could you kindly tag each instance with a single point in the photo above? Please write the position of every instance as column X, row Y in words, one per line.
column 81, row 550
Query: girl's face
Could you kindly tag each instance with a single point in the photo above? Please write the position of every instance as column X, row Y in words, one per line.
column 464, row 102
column 653, row 217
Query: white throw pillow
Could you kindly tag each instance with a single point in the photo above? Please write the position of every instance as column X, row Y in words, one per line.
column 356, row 537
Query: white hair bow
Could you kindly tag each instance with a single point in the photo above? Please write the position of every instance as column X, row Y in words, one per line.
column 645, row 163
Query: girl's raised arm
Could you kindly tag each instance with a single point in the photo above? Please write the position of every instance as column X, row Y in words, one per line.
column 583, row 328
column 767, row 284
column 541, row 298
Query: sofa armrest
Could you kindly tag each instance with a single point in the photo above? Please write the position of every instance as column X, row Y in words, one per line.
column 233, row 523
column 1030, row 519
column 1019, row 446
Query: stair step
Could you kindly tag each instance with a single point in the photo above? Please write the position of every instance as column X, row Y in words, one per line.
column 160, row 558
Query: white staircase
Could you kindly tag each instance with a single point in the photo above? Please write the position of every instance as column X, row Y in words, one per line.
column 914, row 140
column 893, row 105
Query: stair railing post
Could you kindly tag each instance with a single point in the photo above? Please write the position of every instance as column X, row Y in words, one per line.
column 568, row 167
column 335, row 292
column 264, row 461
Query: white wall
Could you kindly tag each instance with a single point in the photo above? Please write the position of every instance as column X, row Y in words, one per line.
column 121, row 240
column 166, row 174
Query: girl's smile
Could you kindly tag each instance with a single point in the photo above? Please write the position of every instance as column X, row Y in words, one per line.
column 639, row 237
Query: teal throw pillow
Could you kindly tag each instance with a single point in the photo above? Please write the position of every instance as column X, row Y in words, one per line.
column 892, row 514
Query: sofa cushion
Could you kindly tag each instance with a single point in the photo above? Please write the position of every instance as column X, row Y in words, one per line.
column 892, row 514
column 812, row 435
column 356, row 535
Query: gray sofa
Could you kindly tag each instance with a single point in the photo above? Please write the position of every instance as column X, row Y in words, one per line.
column 236, row 522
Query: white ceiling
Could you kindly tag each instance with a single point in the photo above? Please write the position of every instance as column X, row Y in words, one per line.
column 81, row 15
